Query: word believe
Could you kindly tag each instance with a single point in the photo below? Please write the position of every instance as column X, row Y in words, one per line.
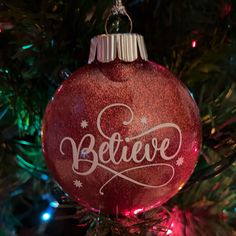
column 116, row 145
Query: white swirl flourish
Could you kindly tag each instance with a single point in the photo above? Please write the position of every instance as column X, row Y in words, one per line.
column 111, row 147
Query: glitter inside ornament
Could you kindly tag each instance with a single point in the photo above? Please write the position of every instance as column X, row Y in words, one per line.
column 121, row 137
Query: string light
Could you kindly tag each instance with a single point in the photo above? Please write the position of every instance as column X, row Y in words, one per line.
column 46, row 216
column 138, row 211
column 194, row 43
column 54, row 204
column 27, row 46
column 44, row 177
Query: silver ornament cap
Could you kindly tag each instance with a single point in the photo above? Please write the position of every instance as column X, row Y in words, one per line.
column 126, row 47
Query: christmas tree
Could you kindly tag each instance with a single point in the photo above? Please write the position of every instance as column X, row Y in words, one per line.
column 42, row 42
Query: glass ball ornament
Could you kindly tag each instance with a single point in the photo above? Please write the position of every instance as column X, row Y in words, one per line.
column 122, row 135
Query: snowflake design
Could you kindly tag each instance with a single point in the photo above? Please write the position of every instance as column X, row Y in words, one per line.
column 180, row 161
column 144, row 120
column 84, row 124
column 78, row 184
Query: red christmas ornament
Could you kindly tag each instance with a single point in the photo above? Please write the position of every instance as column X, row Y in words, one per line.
column 122, row 134
column 226, row 10
column 121, row 137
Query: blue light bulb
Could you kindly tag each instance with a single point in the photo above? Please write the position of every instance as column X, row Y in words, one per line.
column 46, row 216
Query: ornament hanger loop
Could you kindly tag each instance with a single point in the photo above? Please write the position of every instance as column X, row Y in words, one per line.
column 118, row 9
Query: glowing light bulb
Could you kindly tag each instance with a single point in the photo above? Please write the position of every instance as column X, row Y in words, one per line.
column 194, row 43
column 46, row 216
column 27, row 46
column 138, row 211
column 44, row 177
column 54, row 204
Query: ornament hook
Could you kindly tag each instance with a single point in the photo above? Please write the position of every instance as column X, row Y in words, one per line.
column 118, row 9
